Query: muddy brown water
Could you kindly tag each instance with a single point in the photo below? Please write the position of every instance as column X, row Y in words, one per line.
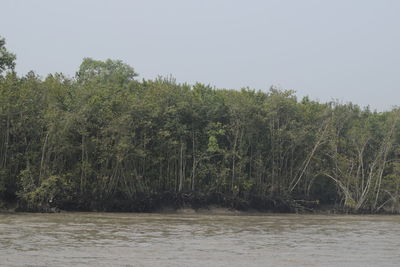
column 124, row 239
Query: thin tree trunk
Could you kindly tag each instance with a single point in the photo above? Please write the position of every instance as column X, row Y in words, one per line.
column 310, row 156
column 234, row 158
column 43, row 153
column 7, row 140
column 181, row 168
column 82, row 161
column 194, row 163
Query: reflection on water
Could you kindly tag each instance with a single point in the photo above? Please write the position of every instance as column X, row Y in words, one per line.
column 115, row 239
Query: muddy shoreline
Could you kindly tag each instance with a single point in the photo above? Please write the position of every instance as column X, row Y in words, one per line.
column 207, row 209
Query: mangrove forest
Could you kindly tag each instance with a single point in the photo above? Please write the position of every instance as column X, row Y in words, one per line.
column 106, row 140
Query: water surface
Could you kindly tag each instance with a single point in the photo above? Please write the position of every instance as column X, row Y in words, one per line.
column 125, row 239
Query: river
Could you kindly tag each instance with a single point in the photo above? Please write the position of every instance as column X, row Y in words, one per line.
column 129, row 239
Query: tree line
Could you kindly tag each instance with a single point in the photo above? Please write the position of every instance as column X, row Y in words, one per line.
column 106, row 140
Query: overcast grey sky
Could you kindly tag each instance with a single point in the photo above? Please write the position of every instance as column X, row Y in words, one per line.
column 327, row 49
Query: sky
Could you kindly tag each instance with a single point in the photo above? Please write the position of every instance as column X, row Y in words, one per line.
column 344, row 50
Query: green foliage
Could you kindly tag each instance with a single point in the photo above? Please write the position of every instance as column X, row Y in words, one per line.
column 109, row 71
column 7, row 59
column 106, row 141
column 54, row 191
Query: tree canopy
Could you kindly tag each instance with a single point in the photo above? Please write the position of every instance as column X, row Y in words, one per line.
column 7, row 59
column 109, row 71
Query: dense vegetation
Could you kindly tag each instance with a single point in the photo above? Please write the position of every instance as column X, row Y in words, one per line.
column 104, row 140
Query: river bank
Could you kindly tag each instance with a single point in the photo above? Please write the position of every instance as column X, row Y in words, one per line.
column 281, row 207
column 182, row 202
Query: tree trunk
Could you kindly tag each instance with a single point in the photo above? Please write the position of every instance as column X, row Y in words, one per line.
column 181, row 168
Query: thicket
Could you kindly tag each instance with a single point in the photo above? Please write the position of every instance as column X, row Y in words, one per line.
column 105, row 140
